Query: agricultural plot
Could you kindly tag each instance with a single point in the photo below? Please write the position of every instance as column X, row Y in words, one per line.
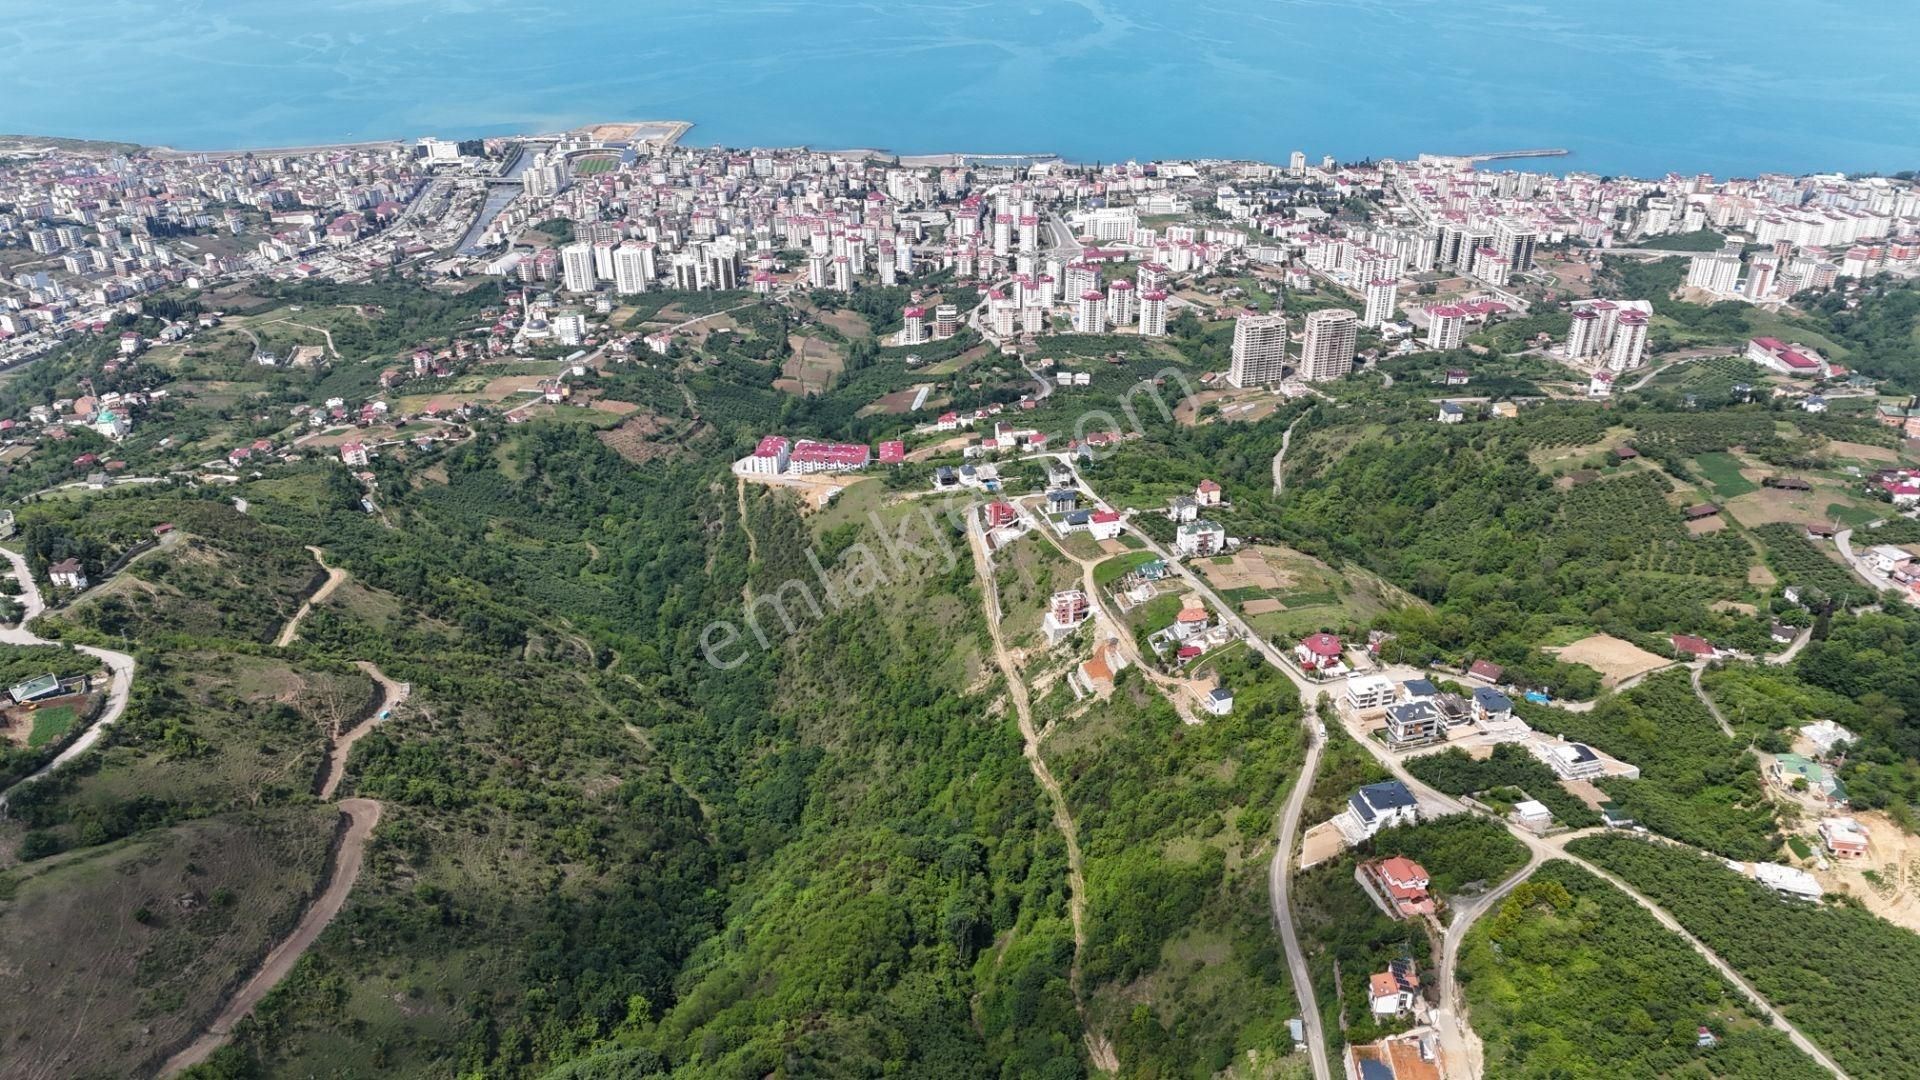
column 1797, row 562
column 51, row 724
column 1283, row 593
column 1722, row 470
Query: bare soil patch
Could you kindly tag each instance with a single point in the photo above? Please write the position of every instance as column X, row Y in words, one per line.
column 894, row 404
column 1247, row 569
column 1261, row 607
column 1769, row 505
column 1320, row 843
column 1614, row 659
column 506, row 386
column 643, row 437
column 1863, row 451
column 1706, row 525
column 1894, row 858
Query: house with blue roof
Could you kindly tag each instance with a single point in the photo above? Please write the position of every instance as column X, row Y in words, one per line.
column 1375, row 807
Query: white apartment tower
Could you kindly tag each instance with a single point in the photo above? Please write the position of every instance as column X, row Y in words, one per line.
column 576, row 267
column 1446, row 327
column 1153, row 313
column 1120, row 303
column 1716, row 273
column 1380, row 297
column 1514, row 241
column 1328, row 352
column 632, row 268
column 1090, row 314
column 1259, row 350
column 1583, row 336
column 1629, row 342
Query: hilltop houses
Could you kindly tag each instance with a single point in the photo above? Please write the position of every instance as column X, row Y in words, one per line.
column 1375, row 807
column 1393, row 992
column 1789, row 770
column 1399, row 884
column 1844, row 837
column 1320, row 653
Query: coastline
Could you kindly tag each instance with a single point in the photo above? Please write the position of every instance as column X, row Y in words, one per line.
column 670, row 133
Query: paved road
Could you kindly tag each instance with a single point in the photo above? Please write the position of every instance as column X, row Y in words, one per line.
column 1431, row 800
column 119, row 665
column 1279, row 892
column 362, row 815
column 1844, row 541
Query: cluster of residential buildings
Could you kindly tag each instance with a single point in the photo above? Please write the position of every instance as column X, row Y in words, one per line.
column 778, row 455
column 1608, row 334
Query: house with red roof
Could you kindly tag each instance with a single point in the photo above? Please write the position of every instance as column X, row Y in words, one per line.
column 1393, row 991
column 1105, row 524
column 1207, row 493
column 353, row 453
column 1319, row 652
column 999, row 515
column 893, row 452
column 1697, row 647
column 1400, row 884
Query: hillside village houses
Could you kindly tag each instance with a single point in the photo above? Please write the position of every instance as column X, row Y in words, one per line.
column 1398, row 884
column 67, row 574
column 1200, row 538
column 1374, row 807
column 1395, row 991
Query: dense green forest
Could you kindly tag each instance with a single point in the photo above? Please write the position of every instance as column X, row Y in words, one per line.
column 1844, row 976
column 1569, row 978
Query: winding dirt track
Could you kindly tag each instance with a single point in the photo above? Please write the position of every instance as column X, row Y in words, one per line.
column 1099, row 1048
column 362, row 815
column 344, row 869
column 335, row 576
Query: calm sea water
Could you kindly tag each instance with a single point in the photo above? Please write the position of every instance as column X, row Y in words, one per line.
column 1637, row 86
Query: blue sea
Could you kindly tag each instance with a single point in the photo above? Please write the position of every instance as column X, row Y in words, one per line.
column 1630, row 86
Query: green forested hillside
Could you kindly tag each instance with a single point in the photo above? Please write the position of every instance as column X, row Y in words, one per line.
column 1570, row 978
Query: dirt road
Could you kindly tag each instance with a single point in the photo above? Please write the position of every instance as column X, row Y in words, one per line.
column 1098, row 1047
column 362, row 815
column 335, row 576
column 391, row 695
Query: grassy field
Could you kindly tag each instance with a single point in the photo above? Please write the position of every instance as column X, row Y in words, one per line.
column 266, row 748
column 1722, row 470
column 50, row 724
column 121, row 952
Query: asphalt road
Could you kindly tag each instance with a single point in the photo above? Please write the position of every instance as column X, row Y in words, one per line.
column 119, row 664
column 1448, row 1020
